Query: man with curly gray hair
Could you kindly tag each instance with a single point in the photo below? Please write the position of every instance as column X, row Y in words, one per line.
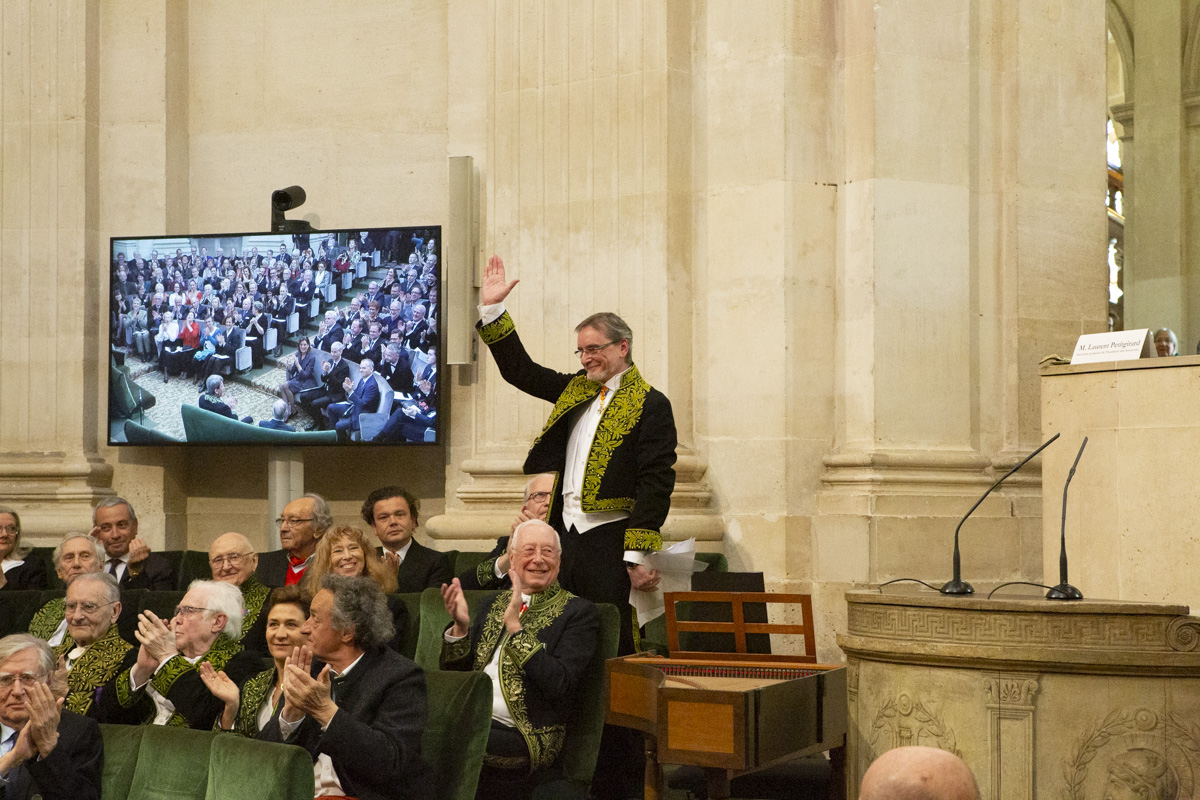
column 358, row 707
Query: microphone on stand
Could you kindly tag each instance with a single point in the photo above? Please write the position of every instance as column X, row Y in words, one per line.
column 957, row 585
column 1064, row 590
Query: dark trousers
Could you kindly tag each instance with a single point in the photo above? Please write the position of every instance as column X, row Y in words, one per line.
column 593, row 566
column 507, row 776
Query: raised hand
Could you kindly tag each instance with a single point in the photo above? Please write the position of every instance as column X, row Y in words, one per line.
column 456, row 607
column 139, row 551
column 224, row 689
column 44, row 711
column 512, row 614
column 496, row 285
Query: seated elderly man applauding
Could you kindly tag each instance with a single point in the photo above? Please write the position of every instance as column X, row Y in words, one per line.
column 360, row 709
column 534, row 642
column 233, row 560
column 164, row 686
column 50, row 752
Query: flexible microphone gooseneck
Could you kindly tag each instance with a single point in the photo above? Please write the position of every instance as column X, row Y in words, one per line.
column 1064, row 590
column 957, row 585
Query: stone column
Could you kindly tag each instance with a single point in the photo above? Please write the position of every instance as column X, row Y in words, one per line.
column 969, row 232
column 585, row 169
column 51, row 266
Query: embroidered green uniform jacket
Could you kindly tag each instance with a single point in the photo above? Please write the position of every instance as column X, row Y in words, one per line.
column 540, row 665
column 107, row 656
column 630, row 463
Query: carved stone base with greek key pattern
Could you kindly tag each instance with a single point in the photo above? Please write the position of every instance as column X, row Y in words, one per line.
column 1042, row 700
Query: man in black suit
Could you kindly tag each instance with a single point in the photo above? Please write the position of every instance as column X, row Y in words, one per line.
column 540, row 638
column 396, row 368
column 278, row 421
column 334, row 374
column 393, row 513
column 361, row 399
column 55, row 754
column 301, row 523
column 360, row 709
column 129, row 560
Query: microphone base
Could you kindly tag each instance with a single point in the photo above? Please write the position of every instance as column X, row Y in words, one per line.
column 957, row 587
column 1064, row 591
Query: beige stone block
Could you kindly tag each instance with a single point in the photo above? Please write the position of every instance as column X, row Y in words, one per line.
column 922, row 548
column 858, row 25
column 741, row 32
column 136, row 92
column 799, row 564
column 1080, row 401
column 926, row 28
column 954, row 506
column 1140, row 393
column 605, row 38
column 842, row 549
column 554, row 156
column 656, row 120
column 860, row 115
column 605, row 149
column 630, row 133
column 1036, row 339
column 922, row 124
column 748, row 476
column 631, row 33
column 805, row 468
column 811, row 121
column 814, row 28
column 746, row 138
column 760, row 542
column 555, row 42
column 579, row 43
column 135, row 159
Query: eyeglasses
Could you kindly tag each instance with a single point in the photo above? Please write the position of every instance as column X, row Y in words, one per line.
column 233, row 560
column 538, row 497
column 8, row 679
column 187, row 611
column 289, row 521
column 11, row 530
column 86, row 607
column 592, row 349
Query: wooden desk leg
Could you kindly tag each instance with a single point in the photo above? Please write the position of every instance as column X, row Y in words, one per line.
column 837, row 778
column 654, row 773
column 718, row 783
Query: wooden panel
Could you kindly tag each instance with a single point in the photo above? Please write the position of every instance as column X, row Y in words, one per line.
column 707, row 728
column 703, row 727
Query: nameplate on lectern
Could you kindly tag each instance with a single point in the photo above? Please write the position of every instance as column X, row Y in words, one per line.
column 1114, row 346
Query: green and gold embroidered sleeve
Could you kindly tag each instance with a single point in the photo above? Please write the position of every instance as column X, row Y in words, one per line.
column 497, row 329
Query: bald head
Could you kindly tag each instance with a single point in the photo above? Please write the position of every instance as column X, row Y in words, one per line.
column 918, row 773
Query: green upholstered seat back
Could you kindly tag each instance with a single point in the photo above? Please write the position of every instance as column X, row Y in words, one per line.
column 456, row 733
column 578, row 758
column 434, row 620
column 172, row 764
column 200, row 425
column 412, row 634
column 19, row 606
column 247, row 769
column 193, row 566
column 121, row 745
column 140, row 434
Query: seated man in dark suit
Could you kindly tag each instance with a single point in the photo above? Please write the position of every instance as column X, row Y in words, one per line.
column 393, row 513
column 492, row 572
column 361, row 399
column 163, row 686
column 334, row 374
column 214, row 398
column 535, row 641
column 93, row 650
column 408, row 422
column 279, row 415
column 57, row 754
column 366, row 742
column 77, row 554
column 115, row 525
column 301, row 523
column 233, row 560
column 396, row 368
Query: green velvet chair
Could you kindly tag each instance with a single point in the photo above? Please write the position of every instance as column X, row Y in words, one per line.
column 577, row 762
column 173, row 763
column 161, row 603
column 140, row 434
column 46, row 556
column 200, row 425
column 468, row 560
column 247, row 769
column 412, row 634
column 456, row 732
column 127, row 397
column 193, row 566
column 121, row 746
column 17, row 607
column 434, row 620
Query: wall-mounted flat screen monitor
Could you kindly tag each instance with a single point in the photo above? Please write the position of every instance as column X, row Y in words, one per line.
column 327, row 337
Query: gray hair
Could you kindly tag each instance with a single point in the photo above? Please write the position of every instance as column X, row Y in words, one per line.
column 97, row 548
column 322, row 516
column 16, row 642
column 17, row 550
column 359, row 605
column 613, row 327
column 109, row 502
column 280, row 410
column 529, row 483
column 212, row 383
column 111, row 588
column 512, row 542
column 223, row 598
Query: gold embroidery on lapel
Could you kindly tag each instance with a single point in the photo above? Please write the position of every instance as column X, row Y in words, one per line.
column 255, row 593
column 48, row 618
column 94, row 668
column 620, row 415
column 254, row 692
column 579, row 390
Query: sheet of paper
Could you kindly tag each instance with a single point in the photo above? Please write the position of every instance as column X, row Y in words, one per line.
column 676, row 564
